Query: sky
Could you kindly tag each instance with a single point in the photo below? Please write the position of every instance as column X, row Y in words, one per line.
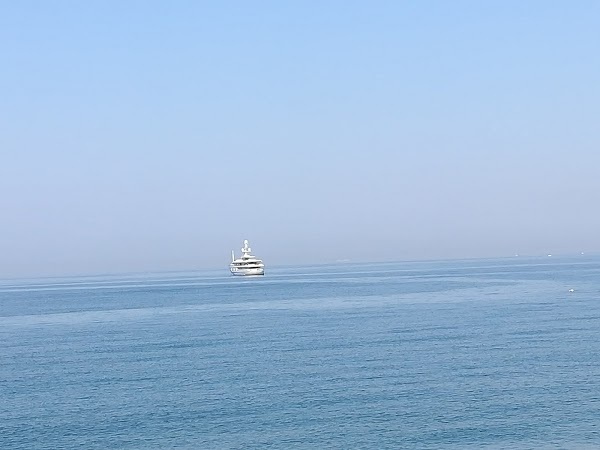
column 150, row 135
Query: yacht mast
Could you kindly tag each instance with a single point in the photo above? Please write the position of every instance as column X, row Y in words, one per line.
column 246, row 250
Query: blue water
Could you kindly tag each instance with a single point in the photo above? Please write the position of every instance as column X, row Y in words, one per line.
column 455, row 354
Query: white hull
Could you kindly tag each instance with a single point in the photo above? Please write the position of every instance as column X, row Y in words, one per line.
column 241, row 271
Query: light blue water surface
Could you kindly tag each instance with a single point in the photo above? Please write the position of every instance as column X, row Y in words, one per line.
column 454, row 354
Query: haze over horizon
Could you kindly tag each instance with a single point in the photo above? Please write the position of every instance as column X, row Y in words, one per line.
column 149, row 136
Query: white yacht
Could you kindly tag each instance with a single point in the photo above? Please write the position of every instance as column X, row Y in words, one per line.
column 246, row 264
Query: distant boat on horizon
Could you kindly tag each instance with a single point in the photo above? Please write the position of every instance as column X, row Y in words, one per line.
column 246, row 264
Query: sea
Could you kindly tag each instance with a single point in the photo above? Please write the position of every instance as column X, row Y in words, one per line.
column 487, row 353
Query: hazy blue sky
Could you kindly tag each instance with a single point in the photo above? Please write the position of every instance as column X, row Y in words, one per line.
column 147, row 135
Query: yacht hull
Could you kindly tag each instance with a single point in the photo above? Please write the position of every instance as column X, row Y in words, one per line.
column 242, row 272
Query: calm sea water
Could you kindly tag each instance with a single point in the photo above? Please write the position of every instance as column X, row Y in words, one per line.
column 457, row 354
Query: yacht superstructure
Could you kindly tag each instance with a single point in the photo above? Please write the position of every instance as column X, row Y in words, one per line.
column 246, row 264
